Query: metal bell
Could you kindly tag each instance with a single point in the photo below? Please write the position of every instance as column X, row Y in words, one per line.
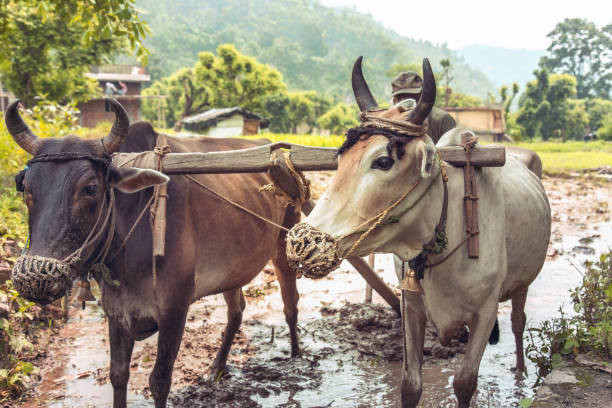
column 411, row 282
column 83, row 292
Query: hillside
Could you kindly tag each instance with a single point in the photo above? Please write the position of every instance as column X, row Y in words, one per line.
column 503, row 66
column 313, row 46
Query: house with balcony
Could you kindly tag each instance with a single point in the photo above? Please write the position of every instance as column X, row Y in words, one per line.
column 122, row 82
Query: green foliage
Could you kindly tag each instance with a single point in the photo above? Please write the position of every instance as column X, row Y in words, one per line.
column 225, row 80
column 513, row 129
column 339, row 118
column 13, row 218
column 288, row 110
column 579, row 48
column 15, row 373
column 546, row 110
column 47, row 46
column 597, row 109
column 461, row 100
column 588, row 331
column 577, row 120
column 313, row 46
column 593, row 305
column 605, row 131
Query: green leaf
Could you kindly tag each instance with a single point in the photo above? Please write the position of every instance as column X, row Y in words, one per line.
column 27, row 368
column 525, row 402
column 556, row 360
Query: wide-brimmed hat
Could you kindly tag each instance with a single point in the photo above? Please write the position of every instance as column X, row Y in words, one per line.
column 406, row 83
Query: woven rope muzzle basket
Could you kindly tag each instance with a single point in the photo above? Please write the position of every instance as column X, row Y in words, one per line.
column 41, row 279
column 311, row 252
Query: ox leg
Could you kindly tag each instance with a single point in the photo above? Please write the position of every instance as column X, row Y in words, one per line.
column 287, row 282
column 171, row 326
column 121, row 346
column 235, row 305
column 518, row 328
column 466, row 379
column 413, row 322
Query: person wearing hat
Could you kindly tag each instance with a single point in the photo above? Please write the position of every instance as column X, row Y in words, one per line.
column 409, row 84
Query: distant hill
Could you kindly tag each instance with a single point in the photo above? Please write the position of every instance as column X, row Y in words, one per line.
column 313, row 46
column 503, row 66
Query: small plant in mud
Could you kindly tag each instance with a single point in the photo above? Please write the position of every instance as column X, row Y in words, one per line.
column 588, row 331
column 15, row 323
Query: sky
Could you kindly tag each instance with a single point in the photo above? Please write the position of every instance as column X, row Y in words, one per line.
column 518, row 24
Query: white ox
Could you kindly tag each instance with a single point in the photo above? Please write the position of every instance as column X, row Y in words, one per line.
column 513, row 216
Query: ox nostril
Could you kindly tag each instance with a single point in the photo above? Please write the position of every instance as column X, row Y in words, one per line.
column 311, row 252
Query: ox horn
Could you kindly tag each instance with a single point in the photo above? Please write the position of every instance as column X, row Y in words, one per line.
column 119, row 132
column 363, row 96
column 428, row 97
column 18, row 129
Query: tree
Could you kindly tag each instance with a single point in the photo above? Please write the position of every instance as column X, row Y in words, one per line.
column 446, row 75
column 547, row 110
column 582, row 50
column 339, row 118
column 46, row 46
column 598, row 109
column 225, row 80
column 288, row 110
column 506, row 101
column 605, row 131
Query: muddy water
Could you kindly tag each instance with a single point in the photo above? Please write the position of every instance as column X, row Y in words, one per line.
column 351, row 352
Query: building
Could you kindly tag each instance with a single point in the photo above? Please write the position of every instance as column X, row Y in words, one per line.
column 225, row 122
column 487, row 122
column 93, row 111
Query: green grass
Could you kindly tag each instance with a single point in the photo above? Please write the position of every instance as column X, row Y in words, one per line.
column 564, row 157
column 306, row 140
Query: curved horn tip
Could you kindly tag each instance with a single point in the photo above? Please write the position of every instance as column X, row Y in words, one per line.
column 363, row 95
column 118, row 133
column 18, row 129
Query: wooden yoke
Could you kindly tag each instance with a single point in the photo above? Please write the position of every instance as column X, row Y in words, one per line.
column 304, row 158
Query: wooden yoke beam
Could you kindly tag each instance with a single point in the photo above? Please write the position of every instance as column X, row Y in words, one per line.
column 281, row 175
column 304, row 158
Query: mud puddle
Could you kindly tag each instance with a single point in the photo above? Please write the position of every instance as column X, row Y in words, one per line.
column 351, row 352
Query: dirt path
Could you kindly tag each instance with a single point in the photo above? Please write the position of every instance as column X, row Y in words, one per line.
column 351, row 352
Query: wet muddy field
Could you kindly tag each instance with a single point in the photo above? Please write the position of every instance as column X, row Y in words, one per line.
column 351, row 351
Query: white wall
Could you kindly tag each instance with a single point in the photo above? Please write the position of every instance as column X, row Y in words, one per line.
column 228, row 127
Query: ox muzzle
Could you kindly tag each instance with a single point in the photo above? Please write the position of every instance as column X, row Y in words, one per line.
column 42, row 279
column 311, row 252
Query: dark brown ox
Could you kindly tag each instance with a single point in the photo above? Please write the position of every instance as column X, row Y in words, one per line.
column 211, row 247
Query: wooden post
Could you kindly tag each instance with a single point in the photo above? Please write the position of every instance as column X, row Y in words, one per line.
column 377, row 283
column 368, row 291
column 470, row 200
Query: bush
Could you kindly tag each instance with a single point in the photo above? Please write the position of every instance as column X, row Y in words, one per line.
column 15, row 372
column 589, row 331
column 605, row 131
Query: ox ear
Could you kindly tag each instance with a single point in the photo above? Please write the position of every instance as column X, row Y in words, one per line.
column 131, row 180
column 426, row 157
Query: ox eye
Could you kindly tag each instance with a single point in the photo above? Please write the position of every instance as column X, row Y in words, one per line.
column 383, row 163
column 89, row 191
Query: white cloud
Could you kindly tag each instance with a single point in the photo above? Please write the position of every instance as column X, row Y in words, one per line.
column 509, row 24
